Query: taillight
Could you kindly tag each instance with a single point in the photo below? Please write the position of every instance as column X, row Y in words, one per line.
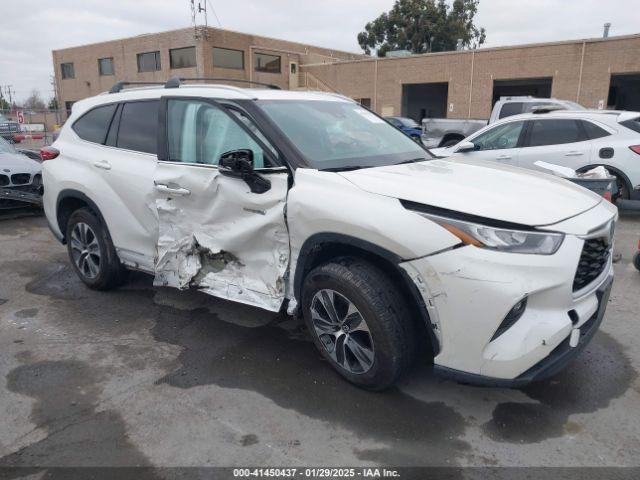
column 48, row 153
column 635, row 149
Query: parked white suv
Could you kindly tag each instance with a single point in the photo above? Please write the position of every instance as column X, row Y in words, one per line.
column 579, row 139
column 309, row 203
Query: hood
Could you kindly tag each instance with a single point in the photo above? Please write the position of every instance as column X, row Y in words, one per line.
column 18, row 163
column 486, row 189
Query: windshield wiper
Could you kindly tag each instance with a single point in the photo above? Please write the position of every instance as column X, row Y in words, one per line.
column 343, row 169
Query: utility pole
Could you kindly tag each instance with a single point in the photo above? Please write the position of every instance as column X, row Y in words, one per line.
column 55, row 97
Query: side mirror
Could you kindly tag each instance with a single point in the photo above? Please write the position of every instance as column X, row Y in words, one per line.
column 465, row 147
column 239, row 164
column 236, row 163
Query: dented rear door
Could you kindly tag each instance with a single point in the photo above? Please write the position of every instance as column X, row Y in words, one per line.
column 214, row 233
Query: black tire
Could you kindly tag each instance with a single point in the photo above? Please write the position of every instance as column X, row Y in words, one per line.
column 109, row 273
column 636, row 261
column 451, row 142
column 384, row 310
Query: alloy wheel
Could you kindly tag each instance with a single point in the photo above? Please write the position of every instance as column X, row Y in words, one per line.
column 85, row 250
column 343, row 331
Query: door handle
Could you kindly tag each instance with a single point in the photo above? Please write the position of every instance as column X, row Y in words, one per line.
column 503, row 157
column 573, row 154
column 103, row 164
column 172, row 191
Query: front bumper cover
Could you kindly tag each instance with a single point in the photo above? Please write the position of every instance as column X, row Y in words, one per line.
column 556, row 361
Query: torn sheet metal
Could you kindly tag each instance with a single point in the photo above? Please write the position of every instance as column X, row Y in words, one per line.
column 14, row 198
column 221, row 238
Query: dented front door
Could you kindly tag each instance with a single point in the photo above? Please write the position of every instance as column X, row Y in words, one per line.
column 214, row 233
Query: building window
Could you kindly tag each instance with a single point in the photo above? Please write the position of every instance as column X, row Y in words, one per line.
column 67, row 70
column 105, row 66
column 228, row 58
column 365, row 102
column 149, row 62
column 182, row 57
column 68, row 106
column 267, row 63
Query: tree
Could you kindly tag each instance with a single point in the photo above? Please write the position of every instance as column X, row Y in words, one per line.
column 4, row 105
column 34, row 101
column 53, row 104
column 422, row 26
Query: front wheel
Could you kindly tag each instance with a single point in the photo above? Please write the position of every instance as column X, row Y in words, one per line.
column 636, row 261
column 92, row 253
column 359, row 322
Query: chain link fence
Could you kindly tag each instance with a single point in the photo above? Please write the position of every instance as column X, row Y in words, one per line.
column 36, row 128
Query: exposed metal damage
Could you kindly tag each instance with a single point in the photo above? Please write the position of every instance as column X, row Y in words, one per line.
column 233, row 250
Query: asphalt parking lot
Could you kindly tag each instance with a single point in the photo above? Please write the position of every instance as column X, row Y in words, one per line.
column 152, row 376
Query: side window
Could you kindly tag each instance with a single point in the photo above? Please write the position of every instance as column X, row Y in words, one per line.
column 500, row 137
column 94, row 124
column 509, row 109
column 554, row 132
column 200, row 132
column 139, row 126
column 593, row 130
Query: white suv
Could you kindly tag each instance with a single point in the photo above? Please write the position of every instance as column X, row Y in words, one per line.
column 310, row 204
column 580, row 139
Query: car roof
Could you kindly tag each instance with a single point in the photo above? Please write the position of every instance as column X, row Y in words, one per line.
column 206, row 91
column 602, row 115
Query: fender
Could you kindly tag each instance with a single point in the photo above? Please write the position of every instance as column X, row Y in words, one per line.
column 78, row 195
column 312, row 247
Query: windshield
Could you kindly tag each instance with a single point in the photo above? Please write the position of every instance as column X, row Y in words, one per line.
column 6, row 147
column 336, row 134
column 3, row 119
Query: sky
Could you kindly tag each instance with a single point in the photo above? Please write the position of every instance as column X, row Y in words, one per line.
column 28, row 32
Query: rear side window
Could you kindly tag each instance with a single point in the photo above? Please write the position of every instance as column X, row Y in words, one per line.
column 94, row 124
column 633, row 124
column 509, row 109
column 594, row 131
column 139, row 127
column 554, row 132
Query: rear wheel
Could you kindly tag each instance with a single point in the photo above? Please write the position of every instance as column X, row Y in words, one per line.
column 92, row 253
column 359, row 322
column 636, row 260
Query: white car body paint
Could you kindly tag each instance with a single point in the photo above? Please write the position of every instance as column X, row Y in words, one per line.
column 233, row 244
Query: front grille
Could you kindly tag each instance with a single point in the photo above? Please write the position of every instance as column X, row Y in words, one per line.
column 4, row 180
column 20, row 178
column 593, row 261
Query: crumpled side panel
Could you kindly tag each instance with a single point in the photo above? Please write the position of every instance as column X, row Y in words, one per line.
column 223, row 239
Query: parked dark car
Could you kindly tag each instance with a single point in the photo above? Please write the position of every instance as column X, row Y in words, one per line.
column 20, row 179
column 407, row 125
column 8, row 129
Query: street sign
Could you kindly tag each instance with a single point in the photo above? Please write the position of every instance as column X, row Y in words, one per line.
column 20, row 114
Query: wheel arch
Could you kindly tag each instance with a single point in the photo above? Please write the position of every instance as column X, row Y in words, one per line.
column 69, row 201
column 451, row 136
column 322, row 247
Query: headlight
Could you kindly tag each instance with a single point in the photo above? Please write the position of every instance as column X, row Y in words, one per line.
column 502, row 239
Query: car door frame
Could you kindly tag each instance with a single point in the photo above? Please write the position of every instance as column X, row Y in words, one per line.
column 280, row 166
column 519, row 143
column 527, row 139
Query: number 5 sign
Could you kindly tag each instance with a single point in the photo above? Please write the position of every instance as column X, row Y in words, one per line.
column 20, row 117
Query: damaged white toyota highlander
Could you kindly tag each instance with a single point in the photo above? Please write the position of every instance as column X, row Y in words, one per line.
column 311, row 204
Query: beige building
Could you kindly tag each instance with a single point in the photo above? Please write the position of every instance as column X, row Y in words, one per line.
column 597, row 73
column 87, row 70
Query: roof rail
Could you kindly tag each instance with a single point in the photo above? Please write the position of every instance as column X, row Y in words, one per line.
column 175, row 82
column 120, row 85
column 548, row 108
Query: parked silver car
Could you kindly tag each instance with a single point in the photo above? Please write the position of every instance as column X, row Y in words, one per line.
column 20, row 179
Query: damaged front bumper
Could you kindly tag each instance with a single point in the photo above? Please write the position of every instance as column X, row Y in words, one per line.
column 12, row 197
column 469, row 291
